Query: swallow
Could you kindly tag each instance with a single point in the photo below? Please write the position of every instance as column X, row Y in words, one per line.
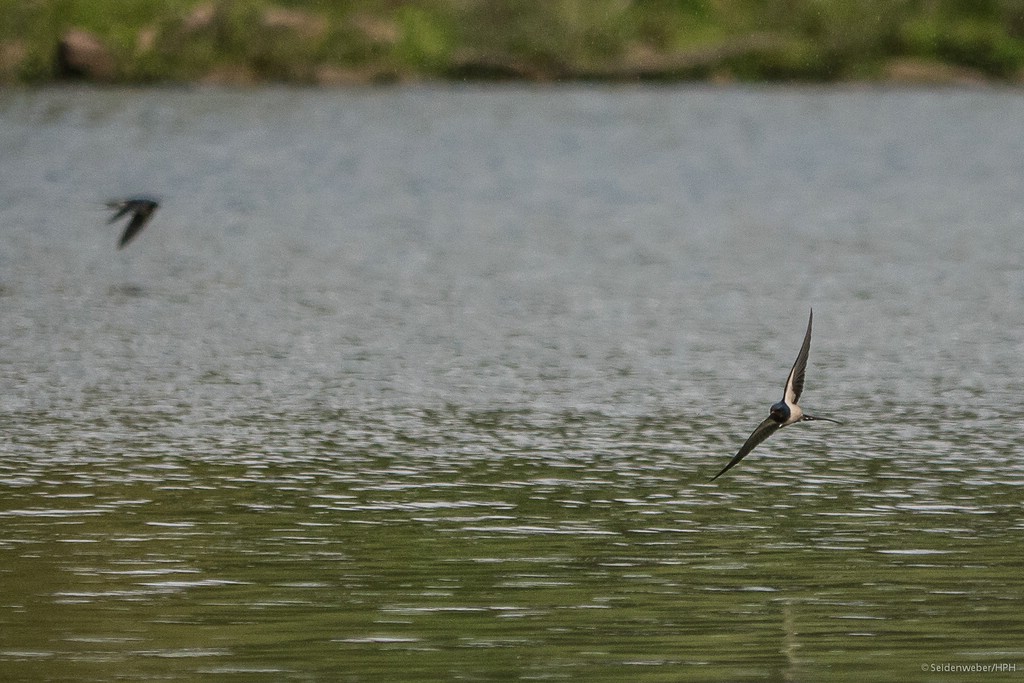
column 141, row 210
column 786, row 411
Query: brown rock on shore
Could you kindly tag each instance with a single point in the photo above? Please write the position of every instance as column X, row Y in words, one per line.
column 80, row 54
column 910, row 71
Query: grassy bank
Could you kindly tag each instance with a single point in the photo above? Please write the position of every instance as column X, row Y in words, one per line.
column 312, row 41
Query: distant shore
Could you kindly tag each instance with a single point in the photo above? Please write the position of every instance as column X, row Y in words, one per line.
column 248, row 42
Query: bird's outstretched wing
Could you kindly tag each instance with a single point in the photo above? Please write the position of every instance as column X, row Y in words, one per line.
column 763, row 431
column 795, row 381
column 139, row 219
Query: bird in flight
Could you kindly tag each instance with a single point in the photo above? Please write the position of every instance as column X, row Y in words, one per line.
column 141, row 210
column 786, row 411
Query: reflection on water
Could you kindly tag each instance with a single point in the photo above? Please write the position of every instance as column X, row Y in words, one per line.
column 441, row 396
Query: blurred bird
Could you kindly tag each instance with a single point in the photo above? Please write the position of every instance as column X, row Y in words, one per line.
column 141, row 210
column 786, row 411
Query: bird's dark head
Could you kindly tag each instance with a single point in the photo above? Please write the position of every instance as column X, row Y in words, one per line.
column 779, row 412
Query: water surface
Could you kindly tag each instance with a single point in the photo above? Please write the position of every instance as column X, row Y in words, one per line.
column 428, row 383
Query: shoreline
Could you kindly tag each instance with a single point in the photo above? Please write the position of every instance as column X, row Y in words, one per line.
column 230, row 79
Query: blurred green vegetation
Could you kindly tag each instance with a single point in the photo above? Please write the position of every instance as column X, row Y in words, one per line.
column 316, row 41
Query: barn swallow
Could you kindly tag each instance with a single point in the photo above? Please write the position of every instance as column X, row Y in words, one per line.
column 141, row 210
column 786, row 411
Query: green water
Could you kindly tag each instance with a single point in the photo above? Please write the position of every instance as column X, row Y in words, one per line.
column 453, row 559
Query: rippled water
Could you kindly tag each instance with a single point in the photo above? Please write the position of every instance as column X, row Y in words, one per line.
column 429, row 383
